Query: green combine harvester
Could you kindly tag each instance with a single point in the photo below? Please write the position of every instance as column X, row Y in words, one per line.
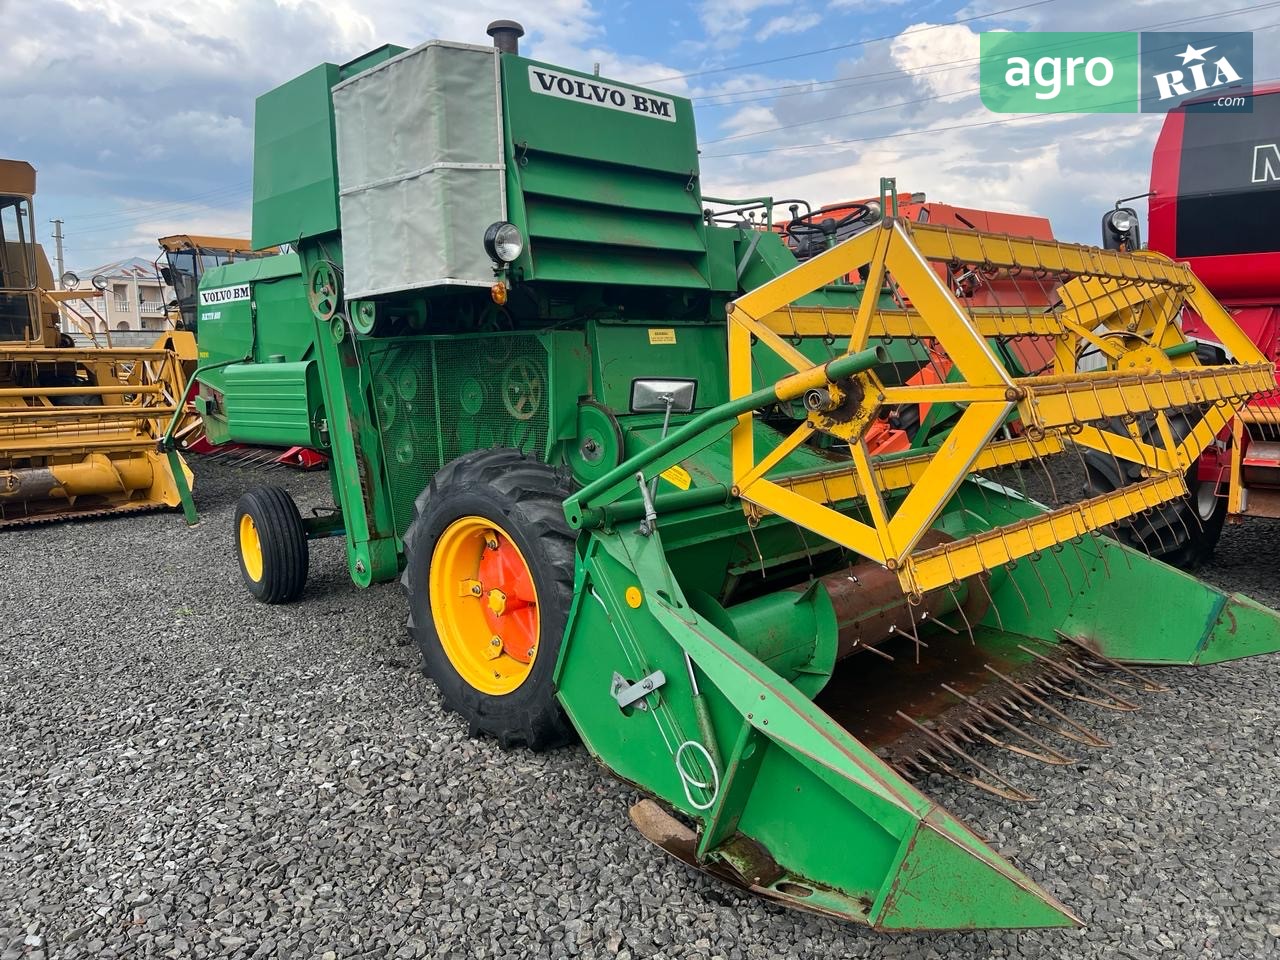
column 611, row 435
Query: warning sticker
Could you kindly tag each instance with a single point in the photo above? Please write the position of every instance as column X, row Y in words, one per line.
column 662, row 335
column 678, row 476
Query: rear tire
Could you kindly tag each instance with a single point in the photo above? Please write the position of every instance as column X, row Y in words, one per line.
column 487, row 516
column 1183, row 533
column 271, row 545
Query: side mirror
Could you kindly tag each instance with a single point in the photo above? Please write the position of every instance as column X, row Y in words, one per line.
column 1120, row 229
column 166, row 274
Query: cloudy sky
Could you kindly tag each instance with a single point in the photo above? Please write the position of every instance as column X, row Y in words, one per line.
column 138, row 114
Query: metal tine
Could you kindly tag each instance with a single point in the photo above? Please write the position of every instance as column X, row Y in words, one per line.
column 1091, row 670
column 1075, row 548
column 1035, row 568
column 876, row 650
column 913, row 762
column 1051, row 688
column 1085, row 735
column 902, row 770
column 1053, row 487
column 991, row 604
column 1014, row 580
column 1008, row 790
column 1054, row 551
column 959, row 609
column 1102, row 554
column 946, row 626
column 1136, row 681
column 1117, row 703
column 1011, row 708
column 1147, row 684
column 991, row 739
column 1049, row 756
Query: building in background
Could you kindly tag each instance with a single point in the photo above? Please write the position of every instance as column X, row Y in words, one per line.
column 130, row 295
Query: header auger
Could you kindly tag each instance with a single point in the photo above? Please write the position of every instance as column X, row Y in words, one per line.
column 613, row 442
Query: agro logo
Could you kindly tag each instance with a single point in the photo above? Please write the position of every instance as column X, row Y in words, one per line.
column 600, row 94
column 1194, row 77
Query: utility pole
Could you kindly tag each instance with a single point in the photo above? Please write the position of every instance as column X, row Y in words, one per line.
column 57, row 246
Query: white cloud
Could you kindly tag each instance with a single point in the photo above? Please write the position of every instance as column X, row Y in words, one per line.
column 731, row 18
column 794, row 23
column 922, row 48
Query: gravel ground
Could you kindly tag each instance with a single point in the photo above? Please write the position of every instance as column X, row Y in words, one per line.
column 185, row 773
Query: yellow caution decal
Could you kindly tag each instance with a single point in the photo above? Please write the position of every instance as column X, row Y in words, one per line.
column 677, row 475
column 661, row 335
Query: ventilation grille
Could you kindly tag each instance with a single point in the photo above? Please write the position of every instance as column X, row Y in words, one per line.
column 437, row 399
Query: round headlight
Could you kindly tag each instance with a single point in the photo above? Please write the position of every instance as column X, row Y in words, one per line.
column 1122, row 221
column 100, row 282
column 70, row 280
column 502, row 241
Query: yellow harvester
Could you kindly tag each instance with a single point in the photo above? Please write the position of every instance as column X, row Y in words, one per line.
column 78, row 425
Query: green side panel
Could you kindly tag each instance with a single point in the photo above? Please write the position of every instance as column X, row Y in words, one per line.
column 627, row 352
column 251, row 271
column 272, row 403
column 1242, row 628
column 224, row 331
column 605, row 193
column 295, row 169
column 722, row 263
column 1110, row 597
column 937, row 887
column 769, row 258
column 275, row 324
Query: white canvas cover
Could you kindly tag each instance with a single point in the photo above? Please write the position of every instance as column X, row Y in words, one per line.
column 420, row 169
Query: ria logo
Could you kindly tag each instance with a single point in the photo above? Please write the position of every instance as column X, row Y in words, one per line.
column 1197, row 72
column 1194, row 76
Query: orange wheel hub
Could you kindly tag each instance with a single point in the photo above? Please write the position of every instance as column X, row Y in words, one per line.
column 484, row 604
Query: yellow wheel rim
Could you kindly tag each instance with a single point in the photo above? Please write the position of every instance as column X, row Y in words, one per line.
column 484, row 605
column 250, row 548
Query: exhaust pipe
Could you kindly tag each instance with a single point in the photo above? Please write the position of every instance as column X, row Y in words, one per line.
column 506, row 35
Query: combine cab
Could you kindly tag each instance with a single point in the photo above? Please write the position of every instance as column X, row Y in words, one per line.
column 78, row 427
column 616, row 451
column 187, row 257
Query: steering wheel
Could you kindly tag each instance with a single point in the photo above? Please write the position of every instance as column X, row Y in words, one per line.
column 803, row 226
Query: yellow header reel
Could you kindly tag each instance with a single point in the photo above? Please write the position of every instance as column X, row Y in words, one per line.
column 1120, row 308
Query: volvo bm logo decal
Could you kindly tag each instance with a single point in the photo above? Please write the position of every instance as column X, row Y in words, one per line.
column 224, row 295
column 600, row 94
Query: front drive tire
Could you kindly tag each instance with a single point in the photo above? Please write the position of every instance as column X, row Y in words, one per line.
column 271, row 545
column 488, row 573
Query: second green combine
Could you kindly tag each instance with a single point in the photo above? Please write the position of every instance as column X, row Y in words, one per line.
column 610, row 435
